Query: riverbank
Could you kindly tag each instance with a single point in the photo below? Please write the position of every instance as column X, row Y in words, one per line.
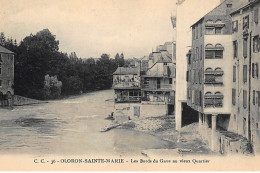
column 187, row 140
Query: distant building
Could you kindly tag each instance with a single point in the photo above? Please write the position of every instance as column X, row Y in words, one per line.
column 157, row 83
column 127, row 88
column 6, row 76
column 146, row 90
column 245, row 117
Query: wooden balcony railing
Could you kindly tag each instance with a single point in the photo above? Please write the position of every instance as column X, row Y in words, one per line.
column 157, row 87
column 126, row 85
column 128, row 99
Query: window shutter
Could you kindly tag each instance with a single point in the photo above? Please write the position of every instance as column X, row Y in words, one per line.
column 253, row 70
column 256, row 14
column 256, row 70
column 253, row 97
column 234, row 96
column 245, row 47
column 258, row 98
column 244, row 73
column 244, row 98
column 234, row 73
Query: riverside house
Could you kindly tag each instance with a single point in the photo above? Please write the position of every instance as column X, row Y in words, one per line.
column 127, row 88
column 6, row 77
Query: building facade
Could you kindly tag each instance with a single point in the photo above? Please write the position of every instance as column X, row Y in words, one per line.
column 245, row 66
column 6, row 77
column 183, row 44
column 146, row 90
column 127, row 88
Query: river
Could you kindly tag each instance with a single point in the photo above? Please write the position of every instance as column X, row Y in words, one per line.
column 70, row 127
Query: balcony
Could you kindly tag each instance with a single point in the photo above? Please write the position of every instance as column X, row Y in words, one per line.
column 126, row 85
column 164, row 99
column 157, row 87
column 211, row 100
column 128, row 99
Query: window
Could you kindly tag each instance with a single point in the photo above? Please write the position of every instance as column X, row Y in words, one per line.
column 244, row 98
column 235, row 26
column 170, row 80
column 253, row 97
column 245, row 47
column 234, row 73
column 218, row 54
column 235, row 49
column 256, row 15
column 215, row 100
column 258, row 98
column 201, row 52
column 0, row 83
column 256, row 70
column 201, row 30
column 229, row 5
column 246, row 22
column 0, row 68
column 218, row 30
column 187, row 76
column 1, row 60
column 245, row 73
column 209, row 54
column 233, row 96
column 165, row 63
column 256, row 44
column 253, row 70
column 214, row 54
column 210, row 31
column 196, row 32
column 197, row 53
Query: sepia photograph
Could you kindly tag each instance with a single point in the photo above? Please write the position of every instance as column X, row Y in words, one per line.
column 129, row 85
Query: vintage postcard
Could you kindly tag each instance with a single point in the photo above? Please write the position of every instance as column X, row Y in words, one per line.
column 129, row 85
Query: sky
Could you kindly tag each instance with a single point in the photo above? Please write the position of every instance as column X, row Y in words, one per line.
column 92, row 27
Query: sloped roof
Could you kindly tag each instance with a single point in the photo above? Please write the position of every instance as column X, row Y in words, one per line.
column 243, row 5
column 126, row 70
column 4, row 50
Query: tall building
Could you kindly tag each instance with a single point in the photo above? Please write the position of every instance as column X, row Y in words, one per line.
column 187, row 13
column 245, row 117
column 6, row 76
column 208, row 75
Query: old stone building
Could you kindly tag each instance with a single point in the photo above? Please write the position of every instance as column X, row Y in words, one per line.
column 6, row 77
column 127, row 88
column 208, row 75
column 245, row 91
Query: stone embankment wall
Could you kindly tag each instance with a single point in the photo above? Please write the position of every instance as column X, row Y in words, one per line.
column 19, row 101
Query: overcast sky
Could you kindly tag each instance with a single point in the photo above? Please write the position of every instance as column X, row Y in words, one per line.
column 92, row 27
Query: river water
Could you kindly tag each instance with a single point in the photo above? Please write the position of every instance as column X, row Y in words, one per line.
column 70, row 127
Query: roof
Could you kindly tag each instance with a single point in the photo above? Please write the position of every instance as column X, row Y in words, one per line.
column 4, row 50
column 235, row 3
column 126, row 70
column 244, row 5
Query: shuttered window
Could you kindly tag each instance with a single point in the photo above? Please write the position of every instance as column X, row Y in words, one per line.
column 253, row 70
column 258, row 98
column 245, row 47
column 245, row 73
column 235, row 49
column 256, row 15
column 234, row 73
column 234, row 96
column 244, row 98
column 256, row 70
column 253, row 97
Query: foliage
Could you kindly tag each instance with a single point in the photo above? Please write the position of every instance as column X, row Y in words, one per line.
column 40, row 68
